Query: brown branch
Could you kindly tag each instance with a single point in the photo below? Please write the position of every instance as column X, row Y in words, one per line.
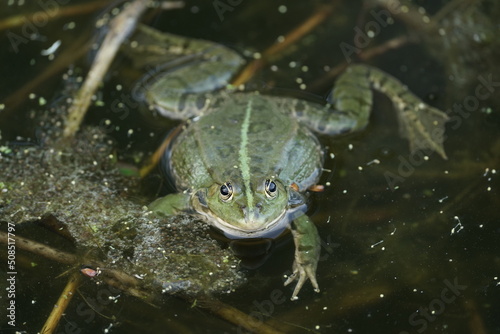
column 61, row 305
column 132, row 285
column 153, row 160
column 40, row 249
column 80, row 9
column 366, row 55
column 308, row 25
column 120, row 27
column 239, row 318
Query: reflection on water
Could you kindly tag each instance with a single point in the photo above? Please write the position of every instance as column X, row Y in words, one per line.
column 409, row 241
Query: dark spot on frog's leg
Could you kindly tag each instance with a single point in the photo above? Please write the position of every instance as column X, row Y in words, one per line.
column 321, row 127
column 305, row 248
column 361, row 100
column 201, row 101
column 299, row 108
column 181, row 104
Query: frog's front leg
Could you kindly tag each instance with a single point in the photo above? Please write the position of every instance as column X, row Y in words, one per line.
column 307, row 251
column 171, row 204
column 182, row 73
column 351, row 104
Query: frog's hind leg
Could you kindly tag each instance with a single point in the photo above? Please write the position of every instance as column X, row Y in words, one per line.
column 351, row 103
column 182, row 73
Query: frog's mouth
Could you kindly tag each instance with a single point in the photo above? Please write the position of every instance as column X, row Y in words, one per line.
column 250, row 229
column 253, row 225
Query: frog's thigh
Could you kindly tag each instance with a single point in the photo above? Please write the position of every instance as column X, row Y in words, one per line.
column 180, row 86
column 349, row 107
column 351, row 104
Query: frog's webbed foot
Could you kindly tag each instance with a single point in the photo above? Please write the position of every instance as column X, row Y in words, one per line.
column 421, row 124
column 307, row 250
column 301, row 272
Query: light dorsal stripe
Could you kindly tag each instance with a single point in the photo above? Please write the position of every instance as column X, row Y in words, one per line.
column 244, row 158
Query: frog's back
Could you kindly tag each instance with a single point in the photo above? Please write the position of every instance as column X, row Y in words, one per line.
column 245, row 136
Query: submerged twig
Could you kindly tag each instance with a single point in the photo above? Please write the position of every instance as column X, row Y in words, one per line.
column 120, row 28
column 368, row 54
column 40, row 249
column 476, row 322
column 53, row 13
column 239, row 318
column 312, row 22
column 153, row 160
column 61, row 305
column 132, row 285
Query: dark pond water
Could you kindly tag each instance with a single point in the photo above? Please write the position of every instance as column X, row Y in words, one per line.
column 409, row 241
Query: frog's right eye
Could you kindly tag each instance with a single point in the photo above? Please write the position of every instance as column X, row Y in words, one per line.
column 226, row 192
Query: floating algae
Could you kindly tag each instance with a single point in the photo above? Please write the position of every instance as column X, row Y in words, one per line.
column 81, row 186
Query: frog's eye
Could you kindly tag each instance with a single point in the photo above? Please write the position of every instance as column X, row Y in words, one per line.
column 226, row 192
column 271, row 188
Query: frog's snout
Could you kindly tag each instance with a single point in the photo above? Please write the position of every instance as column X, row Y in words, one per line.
column 252, row 215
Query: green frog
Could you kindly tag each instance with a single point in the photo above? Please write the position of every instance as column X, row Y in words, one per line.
column 244, row 161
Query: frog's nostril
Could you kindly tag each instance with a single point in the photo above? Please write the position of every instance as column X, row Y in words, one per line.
column 259, row 206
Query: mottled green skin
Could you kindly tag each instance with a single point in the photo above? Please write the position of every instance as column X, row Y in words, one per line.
column 278, row 146
column 208, row 152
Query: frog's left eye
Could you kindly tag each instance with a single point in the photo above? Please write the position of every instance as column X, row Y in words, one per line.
column 226, row 192
column 271, row 188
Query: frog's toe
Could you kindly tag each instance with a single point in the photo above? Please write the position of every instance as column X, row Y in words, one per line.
column 302, row 273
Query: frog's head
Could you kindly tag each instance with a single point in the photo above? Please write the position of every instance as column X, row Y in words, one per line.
column 245, row 212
